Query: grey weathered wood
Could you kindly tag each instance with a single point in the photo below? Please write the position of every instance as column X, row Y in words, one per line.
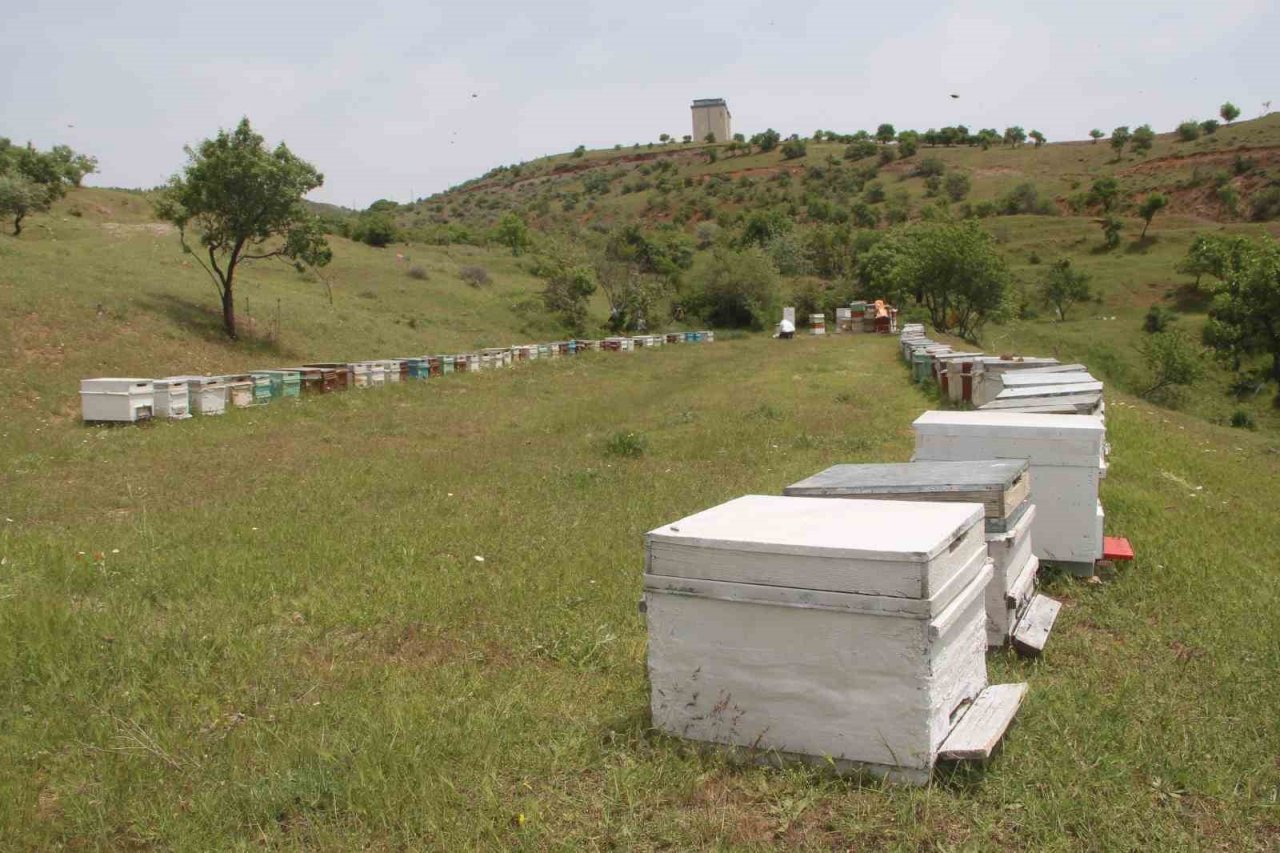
column 1000, row 485
column 1087, row 403
column 1056, row 368
column 1032, row 631
column 978, row 732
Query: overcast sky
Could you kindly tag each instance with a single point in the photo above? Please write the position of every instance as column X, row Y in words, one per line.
column 379, row 95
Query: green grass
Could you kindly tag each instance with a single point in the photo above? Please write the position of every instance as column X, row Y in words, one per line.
column 289, row 640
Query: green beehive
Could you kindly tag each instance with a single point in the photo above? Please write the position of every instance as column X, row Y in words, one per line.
column 447, row 366
column 419, row 368
column 284, row 383
column 261, row 387
column 921, row 365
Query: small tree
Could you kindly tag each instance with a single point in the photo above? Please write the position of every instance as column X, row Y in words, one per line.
column 513, row 232
column 908, row 143
column 664, row 137
column 570, row 281
column 1063, row 286
column 1150, row 206
column 1037, row 137
column 957, row 185
column 736, row 289
column 1209, row 126
column 375, row 229
column 1216, row 255
column 1244, row 317
column 1119, row 139
column 1111, row 226
column 1014, row 136
column 794, row 149
column 580, row 151
column 1173, row 362
column 767, row 141
column 1189, row 131
column 20, row 196
column 1143, row 138
column 1229, row 112
column 73, row 166
column 687, row 138
column 1105, row 192
column 710, row 138
column 245, row 203
column 885, row 133
column 1096, row 134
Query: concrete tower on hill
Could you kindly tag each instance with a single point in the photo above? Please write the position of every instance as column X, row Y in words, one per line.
column 711, row 115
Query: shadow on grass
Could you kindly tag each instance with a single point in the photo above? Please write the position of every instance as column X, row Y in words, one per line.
column 203, row 322
column 1141, row 245
column 1189, row 298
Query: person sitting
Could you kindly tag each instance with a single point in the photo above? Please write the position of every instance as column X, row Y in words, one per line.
column 786, row 329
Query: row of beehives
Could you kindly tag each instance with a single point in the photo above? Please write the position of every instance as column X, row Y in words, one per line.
column 1033, row 408
column 177, row 397
column 860, row 316
column 852, row 632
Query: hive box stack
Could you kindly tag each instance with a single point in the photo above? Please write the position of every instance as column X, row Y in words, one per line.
column 846, row 630
column 117, row 399
column 1003, row 489
column 207, row 394
column 988, row 382
column 817, row 324
column 1066, row 454
column 172, row 399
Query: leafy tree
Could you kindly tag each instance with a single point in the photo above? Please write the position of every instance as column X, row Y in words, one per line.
column 874, row 193
column 957, row 185
column 1143, row 138
column 73, row 166
column 1096, row 134
column 1229, row 112
column 929, row 166
column 34, row 180
column 762, row 226
column 1105, row 192
column 1014, row 136
column 864, row 215
column 1189, row 131
column 513, row 232
column 1158, row 319
column 375, row 229
column 767, row 141
column 384, row 205
column 736, row 289
column 580, row 151
column 1038, row 137
column 1111, row 225
column 859, row 149
column 1150, row 206
column 954, row 271
column 1209, row 126
column 1025, row 198
column 987, row 137
column 898, row 208
column 1120, row 138
column 20, row 196
column 709, row 138
column 570, row 281
column 908, row 143
column 885, row 133
column 1063, row 286
column 1216, row 255
column 793, row 149
column 739, row 138
column 244, row 202
column 1173, row 361
column 686, row 139
column 664, row 137
column 1244, row 316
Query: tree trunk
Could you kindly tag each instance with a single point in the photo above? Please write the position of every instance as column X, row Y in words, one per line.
column 17, row 225
column 1143, row 235
column 229, row 312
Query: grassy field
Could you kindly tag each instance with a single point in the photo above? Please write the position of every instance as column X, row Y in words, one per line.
column 407, row 618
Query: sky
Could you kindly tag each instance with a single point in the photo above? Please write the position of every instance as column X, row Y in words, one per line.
column 400, row 100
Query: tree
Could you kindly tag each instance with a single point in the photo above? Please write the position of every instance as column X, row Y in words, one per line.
column 1143, row 138
column 1216, row 255
column 1014, row 136
column 570, row 281
column 686, row 139
column 244, row 202
column 1111, row 225
column 1096, row 134
column 1229, row 112
column 1038, row 137
column 1173, row 361
column 1189, row 131
column 1150, row 206
column 1244, row 316
column 580, row 151
column 664, row 137
column 957, row 185
column 736, row 289
column 953, row 269
column 768, row 140
column 1119, row 139
column 859, row 149
column 908, row 143
column 73, row 166
column 1209, row 126
column 885, row 133
column 1105, row 192
column 1063, row 286
column 513, row 232
column 375, row 229
column 710, row 138
column 20, row 196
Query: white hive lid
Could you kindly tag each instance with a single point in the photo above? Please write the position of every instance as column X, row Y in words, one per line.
column 912, row 477
column 116, row 384
column 850, row 529
column 1035, row 377
column 965, row 423
column 1023, row 392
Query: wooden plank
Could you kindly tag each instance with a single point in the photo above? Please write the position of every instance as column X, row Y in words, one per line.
column 978, row 732
column 1032, row 631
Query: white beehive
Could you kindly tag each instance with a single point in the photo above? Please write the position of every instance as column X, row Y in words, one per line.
column 172, row 399
column 391, row 369
column 359, row 372
column 845, row 630
column 377, row 374
column 1066, row 456
column 239, row 389
column 1002, row 486
column 116, row 399
column 1031, row 378
column 994, row 368
column 208, row 394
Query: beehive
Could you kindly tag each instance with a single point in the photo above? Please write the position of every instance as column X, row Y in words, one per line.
column 239, row 389
column 341, row 374
column 284, row 383
column 359, row 372
column 817, row 324
column 113, row 399
column 1066, row 455
column 261, row 384
column 847, row 631
column 207, row 395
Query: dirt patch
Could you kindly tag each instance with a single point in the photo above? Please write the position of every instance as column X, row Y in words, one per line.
column 155, row 229
column 1264, row 157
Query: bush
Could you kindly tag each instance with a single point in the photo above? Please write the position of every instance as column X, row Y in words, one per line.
column 1189, row 131
column 417, row 273
column 794, row 149
column 628, row 445
column 1266, row 205
column 736, row 289
column 375, row 229
column 1025, row 198
column 1173, row 362
column 1240, row 419
column 475, row 276
column 957, row 185
column 1158, row 319
column 860, row 149
column 929, row 166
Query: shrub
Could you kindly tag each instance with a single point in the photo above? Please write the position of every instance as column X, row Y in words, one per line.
column 874, row 193
column 1266, row 205
column 475, row 276
column 736, row 289
column 580, row 151
column 1209, row 126
column 1158, row 319
column 1025, row 198
column 417, row 273
column 628, row 445
column 929, row 166
column 957, row 185
column 860, row 149
column 1189, row 131
column 794, row 149
column 1173, row 362
column 1240, row 419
